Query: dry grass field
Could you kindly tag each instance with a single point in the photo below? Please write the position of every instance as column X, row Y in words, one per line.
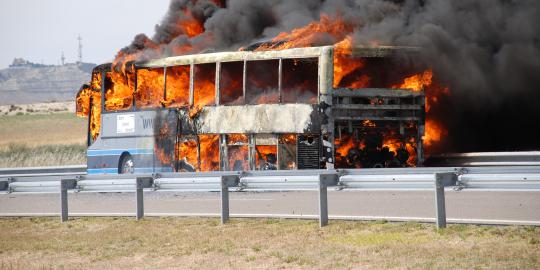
column 192, row 243
column 42, row 140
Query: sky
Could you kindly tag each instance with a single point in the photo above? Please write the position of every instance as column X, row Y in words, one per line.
column 39, row 30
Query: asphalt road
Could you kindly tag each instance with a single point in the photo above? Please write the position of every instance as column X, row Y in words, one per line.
column 491, row 207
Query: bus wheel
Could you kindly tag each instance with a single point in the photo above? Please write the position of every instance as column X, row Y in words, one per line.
column 126, row 165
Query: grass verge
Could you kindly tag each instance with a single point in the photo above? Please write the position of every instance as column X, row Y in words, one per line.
column 193, row 243
column 42, row 140
column 18, row 155
column 42, row 129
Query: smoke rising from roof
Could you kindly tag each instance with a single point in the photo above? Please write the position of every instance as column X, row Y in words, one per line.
column 486, row 51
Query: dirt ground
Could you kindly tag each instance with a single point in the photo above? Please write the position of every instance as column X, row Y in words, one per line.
column 38, row 108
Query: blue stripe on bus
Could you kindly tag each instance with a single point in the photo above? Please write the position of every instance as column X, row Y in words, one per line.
column 137, row 170
column 117, row 152
column 104, row 170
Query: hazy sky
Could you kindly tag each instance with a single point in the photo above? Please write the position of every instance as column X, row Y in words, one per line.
column 39, row 30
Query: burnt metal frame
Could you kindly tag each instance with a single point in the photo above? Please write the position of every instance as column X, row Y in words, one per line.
column 416, row 109
column 325, row 90
column 217, row 81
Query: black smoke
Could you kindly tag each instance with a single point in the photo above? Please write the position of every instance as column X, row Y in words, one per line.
column 486, row 51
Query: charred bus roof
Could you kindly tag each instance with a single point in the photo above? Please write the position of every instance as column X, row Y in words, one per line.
column 379, row 51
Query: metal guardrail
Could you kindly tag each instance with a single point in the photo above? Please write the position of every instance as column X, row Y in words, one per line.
column 29, row 171
column 483, row 178
column 496, row 178
column 523, row 158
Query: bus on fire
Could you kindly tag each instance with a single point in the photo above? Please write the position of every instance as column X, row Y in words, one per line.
column 303, row 108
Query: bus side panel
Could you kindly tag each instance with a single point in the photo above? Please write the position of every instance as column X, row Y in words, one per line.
column 106, row 154
column 126, row 133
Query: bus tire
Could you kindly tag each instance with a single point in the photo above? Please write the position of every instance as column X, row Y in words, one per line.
column 127, row 166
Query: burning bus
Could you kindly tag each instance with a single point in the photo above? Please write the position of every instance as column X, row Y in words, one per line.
column 302, row 108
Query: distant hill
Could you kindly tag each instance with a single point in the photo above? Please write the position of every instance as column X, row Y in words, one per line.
column 25, row 82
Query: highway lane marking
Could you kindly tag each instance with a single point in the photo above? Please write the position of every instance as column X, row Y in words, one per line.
column 218, row 199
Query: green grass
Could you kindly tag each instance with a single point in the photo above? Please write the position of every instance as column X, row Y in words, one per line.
column 187, row 243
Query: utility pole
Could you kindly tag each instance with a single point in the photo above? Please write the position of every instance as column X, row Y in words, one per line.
column 80, row 48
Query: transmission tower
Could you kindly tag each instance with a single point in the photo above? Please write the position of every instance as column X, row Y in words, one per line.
column 80, row 48
column 63, row 58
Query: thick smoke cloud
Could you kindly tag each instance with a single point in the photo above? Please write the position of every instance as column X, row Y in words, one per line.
column 486, row 51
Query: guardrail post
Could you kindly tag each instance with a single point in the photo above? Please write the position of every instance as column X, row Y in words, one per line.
column 440, row 209
column 140, row 199
column 224, row 200
column 64, row 185
column 323, row 203
column 442, row 180
column 325, row 180
column 4, row 184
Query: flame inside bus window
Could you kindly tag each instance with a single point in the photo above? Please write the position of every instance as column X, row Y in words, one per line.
column 300, row 80
column 119, row 91
column 89, row 105
column 266, row 157
column 177, row 88
column 150, row 87
column 231, row 82
column 287, row 152
column 209, row 153
column 375, row 144
column 186, row 154
column 204, row 85
column 262, row 82
column 95, row 115
column 378, row 72
column 238, row 152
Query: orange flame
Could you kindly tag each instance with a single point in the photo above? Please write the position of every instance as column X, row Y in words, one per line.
column 238, row 152
column 262, row 154
column 189, row 25
column 84, row 97
column 96, row 81
column 150, row 84
column 91, row 94
column 343, row 146
column 204, row 86
column 83, row 101
column 344, row 65
column 187, row 150
column 237, row 138
column 368, row 123
column 394, row 144
column 119, row 94
column 209, row 148
column 288, row 139
column 416, row 82
column 434, row 133
column 177, row 89
column 288, row 143
column 310, row 34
